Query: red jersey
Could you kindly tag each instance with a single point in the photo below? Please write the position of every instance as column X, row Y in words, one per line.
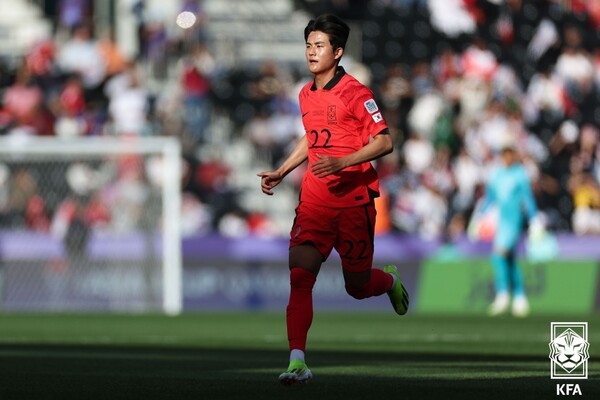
column 339, row 120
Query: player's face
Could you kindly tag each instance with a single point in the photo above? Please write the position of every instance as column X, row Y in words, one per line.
column 509, row 157
column 320, row 55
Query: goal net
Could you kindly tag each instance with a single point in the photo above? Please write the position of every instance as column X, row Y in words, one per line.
column 90, row 224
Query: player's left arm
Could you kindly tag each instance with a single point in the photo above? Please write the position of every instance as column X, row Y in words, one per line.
column 381, row 145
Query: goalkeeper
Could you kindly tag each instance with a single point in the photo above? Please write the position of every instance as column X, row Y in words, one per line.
column 509, row 189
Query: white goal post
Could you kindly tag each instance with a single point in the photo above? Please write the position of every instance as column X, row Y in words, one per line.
column 128, row 193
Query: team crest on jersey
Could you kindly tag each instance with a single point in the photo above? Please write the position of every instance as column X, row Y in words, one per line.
column 331, row 115
column 371, row 106
column 377, row 117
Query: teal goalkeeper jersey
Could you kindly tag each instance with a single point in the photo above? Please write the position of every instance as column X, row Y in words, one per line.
column 510, row 190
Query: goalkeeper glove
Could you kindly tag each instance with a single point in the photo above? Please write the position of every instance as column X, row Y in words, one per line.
column 537, row 229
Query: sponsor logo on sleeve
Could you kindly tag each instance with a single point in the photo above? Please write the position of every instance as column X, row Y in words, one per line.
column 371, row 106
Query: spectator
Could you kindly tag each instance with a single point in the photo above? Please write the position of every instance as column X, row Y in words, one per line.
column 80, row 54
column 128, row 102
column 418, row 153
column 24, row 189
column 23, row 102
column 70, row 120
column 196, row 73
column 574, row 65
column 257, row 131
column 447, row 71
column 546, row 98
column 396, row 95
column 114, row 59
column 586, row 200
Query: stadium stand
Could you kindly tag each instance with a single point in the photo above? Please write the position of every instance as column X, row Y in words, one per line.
column 451, row 88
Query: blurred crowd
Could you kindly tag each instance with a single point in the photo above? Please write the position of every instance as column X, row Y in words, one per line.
column 456, row 80
column 78, row 83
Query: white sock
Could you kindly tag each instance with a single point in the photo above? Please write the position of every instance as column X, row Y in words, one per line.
column 296, row 354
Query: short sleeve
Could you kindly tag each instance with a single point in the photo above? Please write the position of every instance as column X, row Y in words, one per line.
column 366, row 109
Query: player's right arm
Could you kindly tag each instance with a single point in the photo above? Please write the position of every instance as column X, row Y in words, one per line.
column 270, row 179
column 488, row 199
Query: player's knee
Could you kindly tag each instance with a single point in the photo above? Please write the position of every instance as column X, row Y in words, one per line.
column 359, row 293
column 302, row 278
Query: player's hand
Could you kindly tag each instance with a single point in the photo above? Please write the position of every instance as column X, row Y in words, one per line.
column 326, row 165
column 269, row 179
column 537, row 229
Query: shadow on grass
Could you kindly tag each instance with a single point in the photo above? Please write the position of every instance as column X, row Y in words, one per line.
column 32, row 372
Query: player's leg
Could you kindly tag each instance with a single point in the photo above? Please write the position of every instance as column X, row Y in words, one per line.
column 520, row 305
column 499, row 260
column 504, row 240
column 375, row 282
column 365, row 284
column 507, row 236
column 355, row 244
column 305, row 262
column 311, row 242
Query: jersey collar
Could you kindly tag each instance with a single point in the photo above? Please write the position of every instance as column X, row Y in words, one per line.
column 339, row 74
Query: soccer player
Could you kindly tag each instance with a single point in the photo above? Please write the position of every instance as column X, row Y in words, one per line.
column 509, row 189
column 344, row 132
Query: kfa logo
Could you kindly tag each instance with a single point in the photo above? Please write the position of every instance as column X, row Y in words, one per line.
column 569, row 354
column 567, row 389
column 569, row 350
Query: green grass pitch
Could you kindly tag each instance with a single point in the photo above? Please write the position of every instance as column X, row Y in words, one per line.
column 240, row 355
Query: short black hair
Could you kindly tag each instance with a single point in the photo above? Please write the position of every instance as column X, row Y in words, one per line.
column 333, row 26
